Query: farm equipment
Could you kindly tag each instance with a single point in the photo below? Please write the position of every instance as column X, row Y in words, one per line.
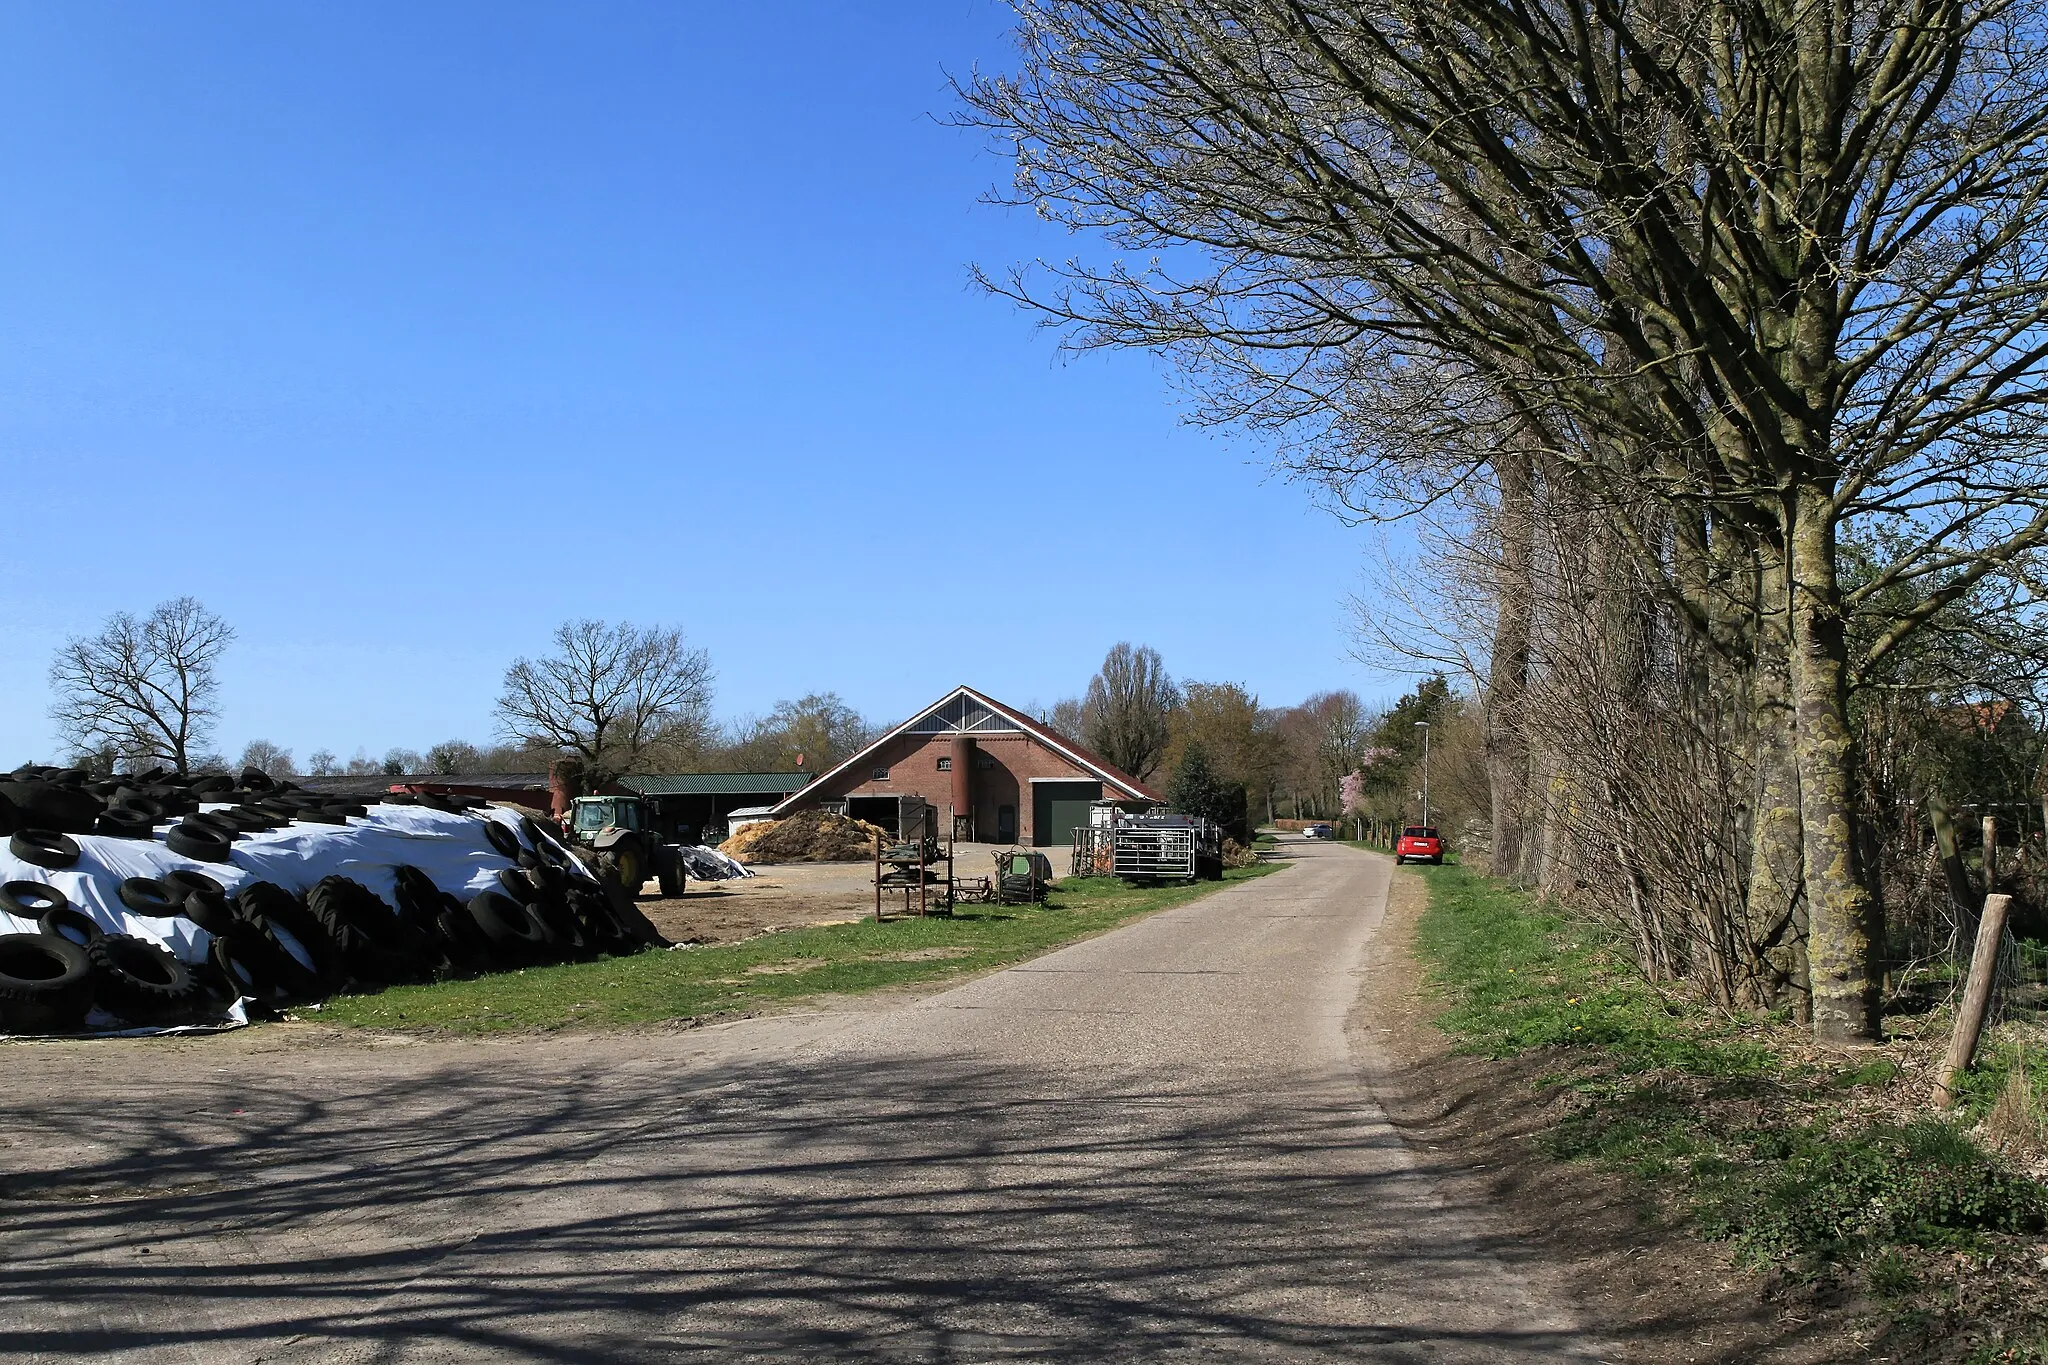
column 617, row 830
column 1167, row 847
column 1023, row 877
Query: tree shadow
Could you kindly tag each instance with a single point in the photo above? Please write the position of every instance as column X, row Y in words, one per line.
column 623, row 1208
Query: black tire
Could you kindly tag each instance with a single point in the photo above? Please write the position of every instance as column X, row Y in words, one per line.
column 69, row 923
column 183, row 882
column 46, row 805
column 373, row 940
column 463, row 943
column 247, row 819
column 10, row 817
column 564, row 929
column 217, row 820
column 1398, row 860
column 203, row 842
column 600, row 925
column 149, row 897
column 135, row 980
column 434, row 801
column 31, row 900
column 45, row 984
column 122, row 823
column 212, row 782
column 254, row 966
column 668, row 871
column 517, row 883
column 419, row 900
column 285, row 919
column 141, row 805
column 501, row 837
column 44, row 847
column 513, row 931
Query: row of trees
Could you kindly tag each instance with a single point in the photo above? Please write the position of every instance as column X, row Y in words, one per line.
column 1138, row 717
column 617, row 698
column 1725, row 318
column 144, row 690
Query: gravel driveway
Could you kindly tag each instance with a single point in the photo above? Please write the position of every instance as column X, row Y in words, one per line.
column 1158, row 1144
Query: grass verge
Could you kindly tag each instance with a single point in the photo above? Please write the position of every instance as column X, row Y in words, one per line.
column 739, row 978
column 1804, row 1164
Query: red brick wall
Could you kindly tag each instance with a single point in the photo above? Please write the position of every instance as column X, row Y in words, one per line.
column 913, row 764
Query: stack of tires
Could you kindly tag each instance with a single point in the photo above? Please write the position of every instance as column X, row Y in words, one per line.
column 265, row 943
column 42, row 807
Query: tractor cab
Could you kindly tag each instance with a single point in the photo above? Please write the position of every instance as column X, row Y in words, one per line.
column 591, row 816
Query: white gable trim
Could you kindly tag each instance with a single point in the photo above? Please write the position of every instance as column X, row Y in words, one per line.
column 995, row 710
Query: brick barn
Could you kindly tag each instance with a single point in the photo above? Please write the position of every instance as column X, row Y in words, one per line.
column 1006, row 777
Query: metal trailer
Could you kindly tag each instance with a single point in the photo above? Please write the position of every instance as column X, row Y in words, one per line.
column 1167, row 847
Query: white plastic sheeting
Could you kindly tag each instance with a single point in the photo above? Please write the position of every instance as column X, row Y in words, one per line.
column 450, row 848
column 709, row 865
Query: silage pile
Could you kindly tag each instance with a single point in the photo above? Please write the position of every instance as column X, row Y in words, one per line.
column 811, row 836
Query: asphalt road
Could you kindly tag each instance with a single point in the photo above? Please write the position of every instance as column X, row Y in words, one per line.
column 1158, row 1144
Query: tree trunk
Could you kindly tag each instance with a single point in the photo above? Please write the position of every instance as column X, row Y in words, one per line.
column 1507, row 746
column 1777, row 899
column 1842, row 939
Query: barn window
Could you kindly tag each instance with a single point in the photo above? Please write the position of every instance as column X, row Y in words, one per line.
column 881, row 774
column 945, row 765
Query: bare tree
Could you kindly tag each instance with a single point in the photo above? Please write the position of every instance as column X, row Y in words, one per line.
column 1748, row 272
column 1128, row 714
column 814, row 732
column 322, row 763
column 606, row 695
column 266, row 757
column 145, row 685
column 1064, row 716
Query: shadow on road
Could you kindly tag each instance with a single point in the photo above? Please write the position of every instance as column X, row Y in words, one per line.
column 631, row 1211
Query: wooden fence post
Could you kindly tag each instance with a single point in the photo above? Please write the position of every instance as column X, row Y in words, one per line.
column 1962, row 1044
column 1990, row 854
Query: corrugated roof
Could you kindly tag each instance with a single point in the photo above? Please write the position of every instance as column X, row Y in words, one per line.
column 716, row 784
column 370, row 783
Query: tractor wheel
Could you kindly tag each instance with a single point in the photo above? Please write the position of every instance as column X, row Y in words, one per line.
column 632, row 870
column 668, row 870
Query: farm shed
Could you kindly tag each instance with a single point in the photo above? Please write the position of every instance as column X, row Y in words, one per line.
column 1006, row 777
column 693, row 802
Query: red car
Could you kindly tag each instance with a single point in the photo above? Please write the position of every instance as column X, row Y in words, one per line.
column 1419, row 841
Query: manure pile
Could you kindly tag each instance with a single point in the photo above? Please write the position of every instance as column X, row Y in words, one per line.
column 811, row 836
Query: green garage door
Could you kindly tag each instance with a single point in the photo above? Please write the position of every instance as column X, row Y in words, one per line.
column 1056, row 807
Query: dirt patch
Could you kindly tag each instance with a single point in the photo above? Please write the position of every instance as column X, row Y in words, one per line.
column 1652, row 1291
column 918, row 955
column 732, row 911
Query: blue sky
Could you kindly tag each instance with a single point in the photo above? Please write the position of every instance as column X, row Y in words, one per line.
column 398, row 333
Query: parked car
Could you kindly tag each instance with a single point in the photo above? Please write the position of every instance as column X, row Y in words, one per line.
column 1419, row 841
column 1318, row 832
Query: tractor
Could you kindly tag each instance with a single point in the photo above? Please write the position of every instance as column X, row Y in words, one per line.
column 616, row 828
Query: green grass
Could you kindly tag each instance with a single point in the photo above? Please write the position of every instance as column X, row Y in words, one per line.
column 1770, row 1155
column 697, row 983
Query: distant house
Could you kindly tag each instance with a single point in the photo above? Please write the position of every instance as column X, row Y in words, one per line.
column 1004, row 777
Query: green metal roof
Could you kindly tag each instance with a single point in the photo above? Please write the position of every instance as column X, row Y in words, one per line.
column 716, row 784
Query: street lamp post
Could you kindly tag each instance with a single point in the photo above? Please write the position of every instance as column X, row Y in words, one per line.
column 1423, row 726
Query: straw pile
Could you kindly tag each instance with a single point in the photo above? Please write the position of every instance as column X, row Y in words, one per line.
column 811, row 836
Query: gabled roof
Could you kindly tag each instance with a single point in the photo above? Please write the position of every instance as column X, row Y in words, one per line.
column 714, row 784
column 964, row 711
